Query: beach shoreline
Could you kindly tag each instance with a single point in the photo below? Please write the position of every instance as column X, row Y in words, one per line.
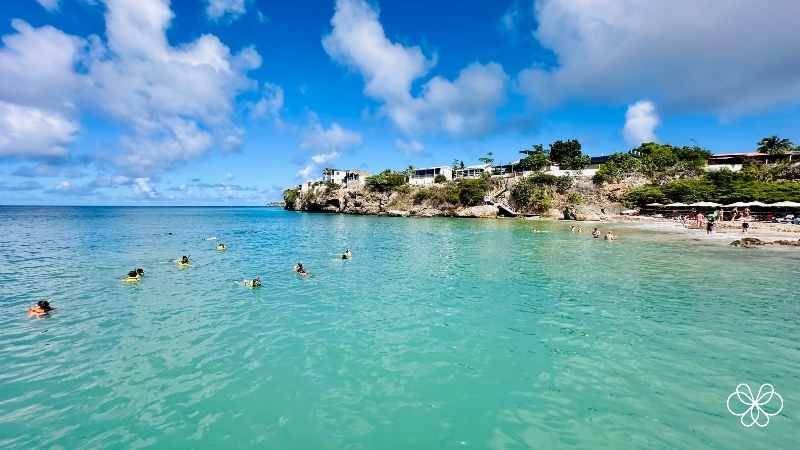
column 760, row 230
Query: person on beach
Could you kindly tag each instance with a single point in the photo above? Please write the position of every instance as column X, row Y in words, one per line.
column 698, row 220
column 710, row 225
column 745, row 226
column 596, row 233
column 610, row 236
column 746, row 213
column 734, row 213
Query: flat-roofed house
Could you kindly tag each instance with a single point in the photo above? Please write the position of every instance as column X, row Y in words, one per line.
column 355, row 178
column 473, row 171
column 334, row 175
column 428, row 174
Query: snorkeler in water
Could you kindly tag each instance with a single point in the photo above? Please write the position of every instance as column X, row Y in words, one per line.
column 347, row 255
column 41, row 308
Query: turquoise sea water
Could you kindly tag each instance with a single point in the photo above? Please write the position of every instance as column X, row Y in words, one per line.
column 438, row 333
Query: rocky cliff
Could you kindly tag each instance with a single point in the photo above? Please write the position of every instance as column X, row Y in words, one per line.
column 599, row 202
column 361, row 200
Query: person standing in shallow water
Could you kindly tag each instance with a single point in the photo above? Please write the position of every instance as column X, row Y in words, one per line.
column 745, row 226
column 595, row 233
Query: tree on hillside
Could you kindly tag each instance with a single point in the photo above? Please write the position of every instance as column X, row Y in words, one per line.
column 487, row 159
column 539, row 148
column 327, row 172
column 410, row 171
column 455, row 164
column 568, row 155
column 534, row 162
column 774, row 145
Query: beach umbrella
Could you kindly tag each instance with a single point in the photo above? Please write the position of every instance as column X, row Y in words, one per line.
column 676, row 205
column 706, row 204
column 786, row 204
column 758, row 204
column 654, row 204
column 737, row 205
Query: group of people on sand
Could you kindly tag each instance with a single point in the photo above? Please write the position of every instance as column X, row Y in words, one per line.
column 716, row 216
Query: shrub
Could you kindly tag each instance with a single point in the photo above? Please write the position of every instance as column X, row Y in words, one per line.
column 440, row 179
column 528, row 193
column 542, row 179
column 574, row 198
column 424, row 194
column 386, row 181
column 563, row 183
column 452, row 195
column 472, row 192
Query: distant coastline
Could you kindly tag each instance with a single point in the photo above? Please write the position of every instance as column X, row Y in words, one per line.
column 276, row 205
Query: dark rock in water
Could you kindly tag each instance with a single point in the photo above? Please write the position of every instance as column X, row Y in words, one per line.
column 749, row 241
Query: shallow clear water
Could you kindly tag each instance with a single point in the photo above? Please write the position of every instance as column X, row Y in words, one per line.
column 438, row 333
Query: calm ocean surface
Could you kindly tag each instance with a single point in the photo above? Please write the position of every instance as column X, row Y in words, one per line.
column 438, row 333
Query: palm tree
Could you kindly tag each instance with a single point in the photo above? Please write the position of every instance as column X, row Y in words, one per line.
column 327, row 172
column 488, row 159
column 410, row 171
column 774, row 145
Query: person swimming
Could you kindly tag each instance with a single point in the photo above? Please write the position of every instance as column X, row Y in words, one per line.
column 184, row 260
column 139, row 272
column 347, row 255
column 222, row 247
column 578, row 230
column 610, row 237
column 299, row 269
column 572, row 229
column 254, row 283
column 41, row 308
column 596, row 233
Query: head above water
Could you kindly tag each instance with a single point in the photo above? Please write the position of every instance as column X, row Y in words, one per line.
column 139, row 271
column 132, row 273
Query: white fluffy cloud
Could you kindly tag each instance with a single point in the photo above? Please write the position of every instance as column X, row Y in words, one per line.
column 270, row 104
column 218, row 8
column 466, row 105
column 175, row 101
column 641, row 120
column 410, row 147
column 315, row 137
column 32, row 132
column 50, row 5
column 688, row 55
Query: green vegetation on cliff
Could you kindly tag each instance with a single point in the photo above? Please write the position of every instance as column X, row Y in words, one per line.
column 656, row 161
column 386, row 181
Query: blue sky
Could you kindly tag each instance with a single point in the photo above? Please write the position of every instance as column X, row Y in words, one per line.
column 203, row 102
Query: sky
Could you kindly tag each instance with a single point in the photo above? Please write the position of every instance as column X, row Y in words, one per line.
column 229, row 102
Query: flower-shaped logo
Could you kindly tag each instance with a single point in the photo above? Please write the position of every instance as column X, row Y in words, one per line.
column 755, row 414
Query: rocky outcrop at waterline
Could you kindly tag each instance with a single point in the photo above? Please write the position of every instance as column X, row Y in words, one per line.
column 364, row 201
column 751, row 242
column 436, row 200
